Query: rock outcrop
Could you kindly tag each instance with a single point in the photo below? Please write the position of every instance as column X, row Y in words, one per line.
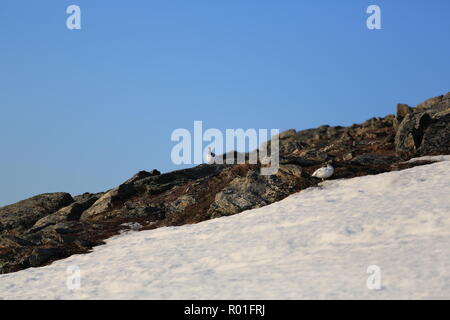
column 251, row 191
column 48, row 227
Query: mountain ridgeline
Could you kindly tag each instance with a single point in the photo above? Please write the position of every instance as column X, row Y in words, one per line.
column 47, row 227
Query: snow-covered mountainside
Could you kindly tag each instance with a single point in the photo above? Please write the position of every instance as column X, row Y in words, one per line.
column 318, row 243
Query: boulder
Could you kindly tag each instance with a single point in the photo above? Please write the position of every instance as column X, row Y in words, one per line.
column 87, row 196
column 102, row 205
column 149, row 212
column 289, row 141
column 436, row 137
column 142, row 175
column 374, row 159
column 24, row 214
column 291, row 169
column 303, row 161
column 41, row 256
column 70, row 213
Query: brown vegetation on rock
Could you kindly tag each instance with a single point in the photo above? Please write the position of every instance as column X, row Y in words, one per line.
column 47, row 227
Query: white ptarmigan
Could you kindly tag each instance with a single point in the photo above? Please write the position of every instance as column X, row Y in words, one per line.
column 324, row 172
column 266, row 160
column 210, row 156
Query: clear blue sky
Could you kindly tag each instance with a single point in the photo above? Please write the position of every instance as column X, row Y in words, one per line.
column 84, row 110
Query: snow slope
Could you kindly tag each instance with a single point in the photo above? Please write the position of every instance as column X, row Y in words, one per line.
column 316, row 244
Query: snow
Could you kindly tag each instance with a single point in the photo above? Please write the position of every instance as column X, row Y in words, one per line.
column 324, row 172
column 316, row 244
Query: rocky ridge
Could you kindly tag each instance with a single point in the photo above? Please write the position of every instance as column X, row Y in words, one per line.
column 47, row 227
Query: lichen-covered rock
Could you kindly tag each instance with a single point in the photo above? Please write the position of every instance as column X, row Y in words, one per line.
column 403, row 110
column 116, row 201
column 436, row 104
column 43, row 255
column 436, row 137
column 25, row 213
column 251, row 191
column 39, row 230
column 426, row 130
column 374, row 159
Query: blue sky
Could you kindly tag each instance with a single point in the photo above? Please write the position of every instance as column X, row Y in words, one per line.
column 84, row 110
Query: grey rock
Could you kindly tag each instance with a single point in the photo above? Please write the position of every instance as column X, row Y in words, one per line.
column 40, row 256
column 425, row 131
column 389, row 139
column 403, row 110
column 289, row 141
column 149, row 212
column 9, row 241
column 197, row 194
column 436, row 104
column 374, row 159
column 142, row 175
column 291, row 169
column 374, row 123
column 25, row 213
column 288, row 134
column 436, row 137
column 302, row 161
column 83, row 243
column 410, row 133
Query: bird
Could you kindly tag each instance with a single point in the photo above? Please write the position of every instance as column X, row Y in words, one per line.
column 210, row 156
column 324, row 172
